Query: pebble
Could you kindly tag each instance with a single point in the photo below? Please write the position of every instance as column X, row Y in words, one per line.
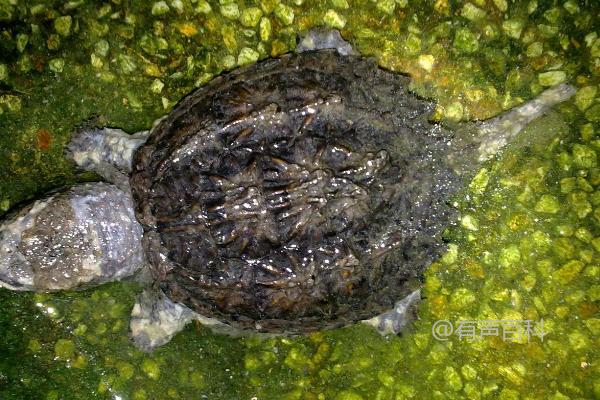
column 247, row 56
column 585, row 97
column 250, row 17
column 230, row 11
column 386, row 6
column 535, row 49
column 513, row 28
column 584, row 156
column 568, row 271
column 501, row 5
column 284, row 13
column 157, row 86
column 547, row 204
column 62, row 25
column 472, row 13
column 264, row 29
column 203, row 7
column 64, row 349
column 552, row 78
column 334, row 20
column 341, row 4
column 160, row 8
column 426, row 61
column 3, row 72
column 465, row 40
column 56, row 65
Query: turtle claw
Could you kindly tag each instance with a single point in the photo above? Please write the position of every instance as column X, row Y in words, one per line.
column 395, row 320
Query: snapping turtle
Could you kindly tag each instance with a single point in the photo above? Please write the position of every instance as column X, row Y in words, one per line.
column 304, row 192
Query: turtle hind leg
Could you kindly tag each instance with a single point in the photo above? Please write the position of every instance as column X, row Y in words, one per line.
column 74, row 239
column 106, row 151
column 496, row 133
column 397, row 319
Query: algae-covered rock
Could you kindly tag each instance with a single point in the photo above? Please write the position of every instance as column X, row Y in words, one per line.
column 386, row 6
column 247, row 56
column 284, row 13
column 547, row 204
column 579, row 203
column 334, row 20
column 513, row 28
column 151, row 368
column 265, row 28
column 64, row 349
column 22, row 40
column 453, row 379
column 160, row 8
column 466, row 41
column 568, row 271
column 341, row 4
column 585, row 97
column 157, row 86
column 203, row 7
column 251, row 16
column 509, row 256
column 56, row 65
column 230, row 10
column 552, row 78
column 469, row 222
column 593, row 113
column 584, row 156
column 62, row 25
column 501, row 5
column 426, row 61
column 348, row 395
column 535, row 49
column 472, row 12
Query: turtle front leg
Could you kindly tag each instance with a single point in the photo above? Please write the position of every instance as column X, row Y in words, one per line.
column 155, row 319
column 395, row 320
column 106, row 151
column 74, row 239
column 319, row 38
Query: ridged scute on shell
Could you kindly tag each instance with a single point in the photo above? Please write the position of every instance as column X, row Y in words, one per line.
column 299, row 193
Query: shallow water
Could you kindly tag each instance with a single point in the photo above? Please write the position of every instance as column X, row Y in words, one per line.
column 525, row 247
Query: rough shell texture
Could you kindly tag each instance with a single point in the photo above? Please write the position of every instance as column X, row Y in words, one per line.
column 300, row 193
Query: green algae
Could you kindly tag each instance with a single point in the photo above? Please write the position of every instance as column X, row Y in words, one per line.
column 526, row 247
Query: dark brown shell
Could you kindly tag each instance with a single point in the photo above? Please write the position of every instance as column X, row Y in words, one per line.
column 299, row 193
